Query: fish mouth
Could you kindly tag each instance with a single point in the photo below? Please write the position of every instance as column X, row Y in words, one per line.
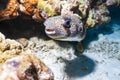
column 52, row 34
column 50, row 31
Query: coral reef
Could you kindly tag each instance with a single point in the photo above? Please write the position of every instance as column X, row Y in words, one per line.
column 13, row 60
column 100, row 60
column 16, row 69
column 10, row 11
column 90, row 11
column 8, row 48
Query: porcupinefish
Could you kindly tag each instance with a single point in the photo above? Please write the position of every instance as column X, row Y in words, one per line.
column 65, row 28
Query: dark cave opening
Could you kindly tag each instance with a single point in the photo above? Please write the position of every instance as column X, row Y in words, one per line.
column 3, row 4
column 20, row 27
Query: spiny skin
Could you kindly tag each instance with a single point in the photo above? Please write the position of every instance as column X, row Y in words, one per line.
column 65, row 28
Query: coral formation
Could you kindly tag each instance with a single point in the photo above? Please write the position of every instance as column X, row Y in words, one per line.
column 10, row 11
column 13, row 60
column 97, row 16
column 8, row 48
column 49, row 7
column 16, row 69
column 90, row 11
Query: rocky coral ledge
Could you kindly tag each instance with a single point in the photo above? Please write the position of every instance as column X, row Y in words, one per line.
column 17, row 64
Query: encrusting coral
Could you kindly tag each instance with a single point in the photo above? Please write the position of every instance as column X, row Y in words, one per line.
column 92, row 12
column 18, row 64
column 8, row 48
column 16, row 69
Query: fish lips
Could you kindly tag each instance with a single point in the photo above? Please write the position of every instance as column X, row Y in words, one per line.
column 52, row 33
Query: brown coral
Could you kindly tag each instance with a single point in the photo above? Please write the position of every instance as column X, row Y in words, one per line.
column 8, row 48
column 25, row 67
column 10, row 11
column 15, row 8
column 17, row 64
column 90, row 11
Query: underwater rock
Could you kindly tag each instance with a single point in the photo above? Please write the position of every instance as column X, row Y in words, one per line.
column 25, row 67
column 11, row 10
column 23, row 41
column 9, row 44
column 91, row 12
column 8, row 48
column 13, row 60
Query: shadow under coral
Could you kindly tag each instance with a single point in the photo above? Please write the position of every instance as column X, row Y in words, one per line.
column 79, row 67
column 22, row 28
column 83, row 65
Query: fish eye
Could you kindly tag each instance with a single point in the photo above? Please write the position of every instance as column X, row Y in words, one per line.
column 67, row 23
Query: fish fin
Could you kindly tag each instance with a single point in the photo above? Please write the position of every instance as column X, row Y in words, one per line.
column 80, row 47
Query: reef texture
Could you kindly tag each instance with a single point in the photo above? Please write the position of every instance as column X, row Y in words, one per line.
column 16, row 69
column 92, row 12
column 8, row 48
column 99, row 61
column 18, row 64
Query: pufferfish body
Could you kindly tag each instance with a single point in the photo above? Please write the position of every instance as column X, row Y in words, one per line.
column 65, row 28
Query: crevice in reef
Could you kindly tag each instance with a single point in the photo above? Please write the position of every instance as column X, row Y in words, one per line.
column 3, row 4
column 32, row 71
column 20, row 27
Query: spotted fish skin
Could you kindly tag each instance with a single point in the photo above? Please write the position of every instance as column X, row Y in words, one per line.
column 65, row 28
